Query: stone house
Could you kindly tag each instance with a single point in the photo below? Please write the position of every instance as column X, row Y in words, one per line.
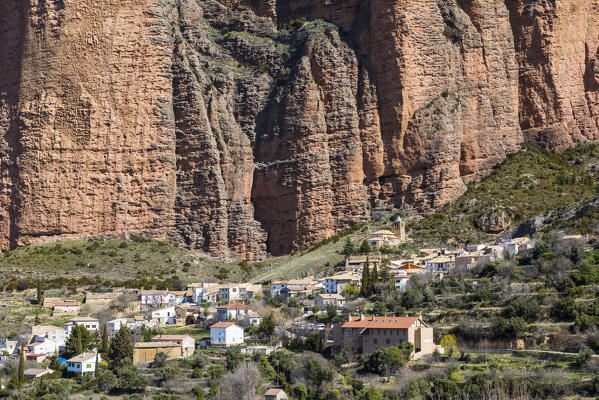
column 366, row 334
column 187, row 343
column 325, row 299
column 144, row 352
column 275, row 393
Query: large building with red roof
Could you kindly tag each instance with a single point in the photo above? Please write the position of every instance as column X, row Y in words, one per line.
column 366, row 334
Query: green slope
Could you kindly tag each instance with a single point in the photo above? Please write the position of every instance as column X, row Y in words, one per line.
column 526, row 184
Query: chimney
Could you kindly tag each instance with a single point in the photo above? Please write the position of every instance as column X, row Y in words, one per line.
column 373, row 318
column 361, row 317
column 349, row 318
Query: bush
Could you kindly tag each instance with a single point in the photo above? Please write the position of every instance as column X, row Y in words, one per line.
column 528, row 310
column 385, row 361
column 509, row 328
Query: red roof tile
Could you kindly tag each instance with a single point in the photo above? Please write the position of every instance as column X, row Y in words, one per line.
column 222, row 324
column 381, row 322
column 233, row 306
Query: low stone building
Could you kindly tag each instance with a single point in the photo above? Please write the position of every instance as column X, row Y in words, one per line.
column 33, row 373
column 187, row 343
column 366, row 334
column 66, row 308
column 144, row 352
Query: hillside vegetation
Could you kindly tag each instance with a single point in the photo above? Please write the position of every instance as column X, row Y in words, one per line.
column 526, row 184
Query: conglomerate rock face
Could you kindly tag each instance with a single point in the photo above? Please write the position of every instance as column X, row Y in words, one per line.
column 241, row 128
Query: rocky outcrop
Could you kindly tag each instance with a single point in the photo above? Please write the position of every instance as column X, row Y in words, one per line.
column 493, row 221
column 240, row 128
column 556, row 48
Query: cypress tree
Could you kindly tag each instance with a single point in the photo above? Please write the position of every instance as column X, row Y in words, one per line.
column 374, row 277
column 121, row 349
column 365, row 289
column 104, row 346
column 22, row 365
column 40, row 293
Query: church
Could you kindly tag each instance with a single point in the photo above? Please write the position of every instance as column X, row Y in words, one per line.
column 386, row 238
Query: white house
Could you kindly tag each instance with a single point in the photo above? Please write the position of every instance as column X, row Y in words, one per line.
column 277, row 286
column 114, row 325
column 166, row 316
column 249, row 291
column 229, row 293
column 157, row 297
column 57, row 334
column 226, row 334
column 11, row 347
column 325, row 299
column 91, row 324
column 203, row 292
column 83, row 363
column 66, row 308
column 232, row 312
column 252, row 318
column 440, row 264
column 42, row 345
column 335, row 283
column 401, row 280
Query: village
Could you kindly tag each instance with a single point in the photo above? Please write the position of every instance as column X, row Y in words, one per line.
column 216, row 316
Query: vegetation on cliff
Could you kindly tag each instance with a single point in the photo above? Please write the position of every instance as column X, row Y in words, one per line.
column 528, row 183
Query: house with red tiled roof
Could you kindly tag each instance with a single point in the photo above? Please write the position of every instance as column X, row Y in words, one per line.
column 226, row 334
column 231, row 312
column 366, row 334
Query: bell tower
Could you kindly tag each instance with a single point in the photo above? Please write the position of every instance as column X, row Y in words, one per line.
column 399, row 229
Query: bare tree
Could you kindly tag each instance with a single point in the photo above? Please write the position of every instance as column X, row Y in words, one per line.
column 241, row 384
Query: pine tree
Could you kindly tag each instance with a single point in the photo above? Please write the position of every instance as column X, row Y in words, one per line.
column 348, row 247
column 22, row 365
column 365, row 289
column 40, row 293
column 79, row 341
column 121, row 349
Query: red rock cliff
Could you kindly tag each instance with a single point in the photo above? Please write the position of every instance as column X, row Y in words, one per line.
column 241, row 128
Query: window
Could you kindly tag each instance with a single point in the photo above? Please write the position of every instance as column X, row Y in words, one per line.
column 88, row 366
column 388, row 341
column 348, row 331
column 375, row 341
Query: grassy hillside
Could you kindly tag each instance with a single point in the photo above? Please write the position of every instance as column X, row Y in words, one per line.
column 526, row 184
column 109, row 259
